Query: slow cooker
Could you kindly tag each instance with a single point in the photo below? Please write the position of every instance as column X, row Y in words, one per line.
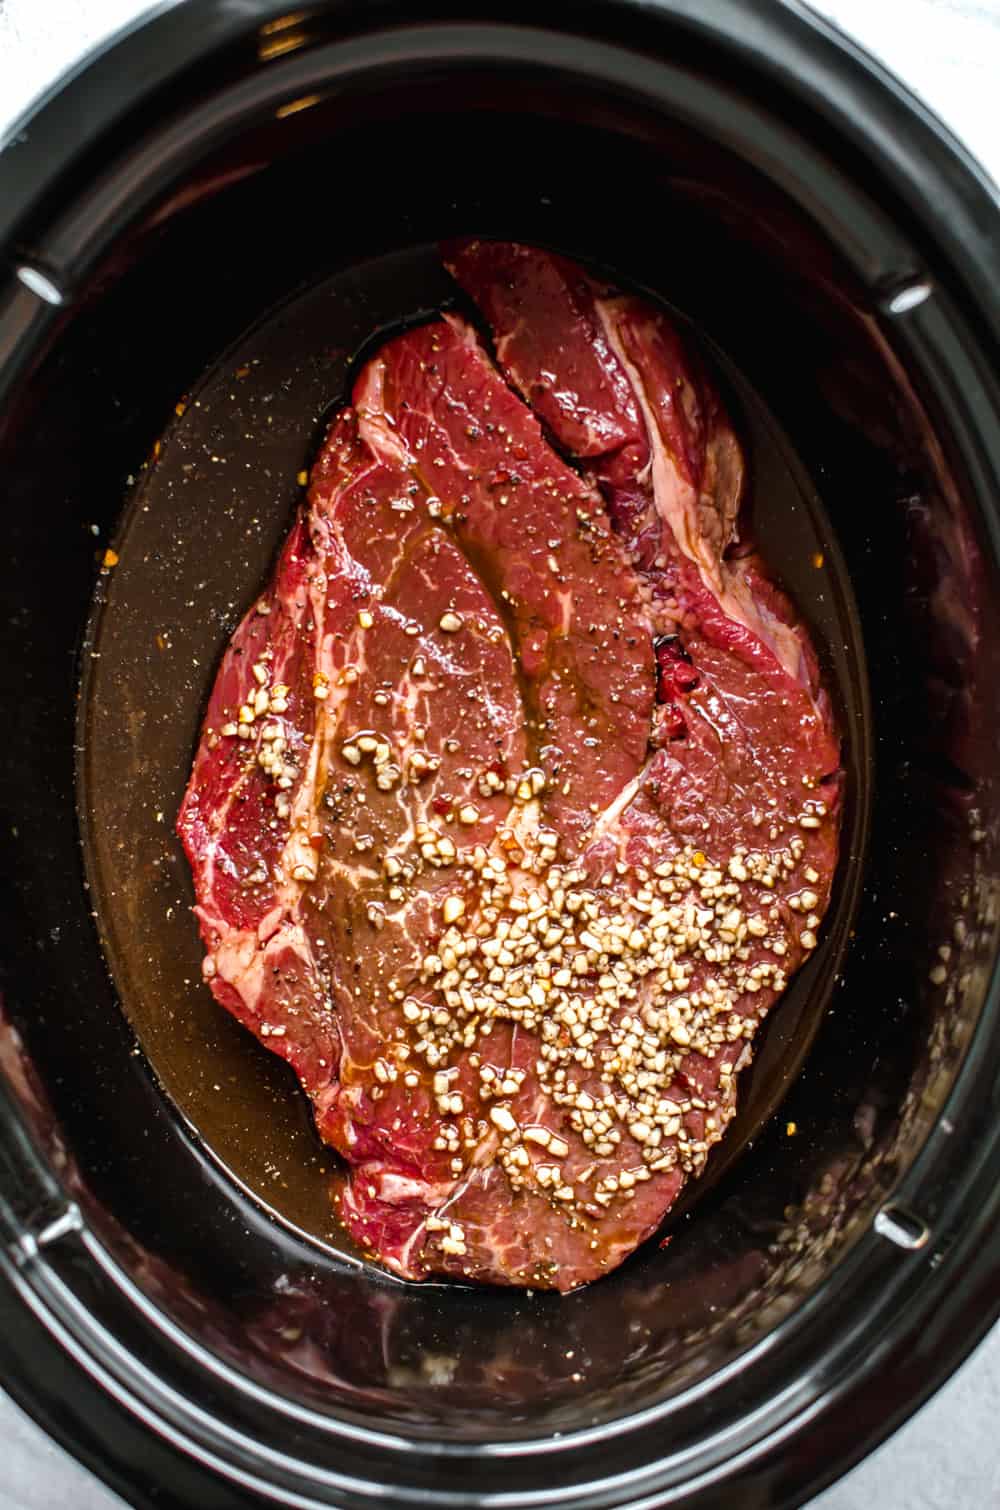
column 197, row 199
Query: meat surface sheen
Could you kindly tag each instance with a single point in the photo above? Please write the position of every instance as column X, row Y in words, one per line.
column 517, row 801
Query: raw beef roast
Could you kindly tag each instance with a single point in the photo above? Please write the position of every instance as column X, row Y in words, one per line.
column 516, row 804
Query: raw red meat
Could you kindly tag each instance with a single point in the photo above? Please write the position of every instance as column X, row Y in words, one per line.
column 508, row 826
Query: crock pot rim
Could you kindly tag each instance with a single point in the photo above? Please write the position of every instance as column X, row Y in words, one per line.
column 951, row 162
column 784, row 38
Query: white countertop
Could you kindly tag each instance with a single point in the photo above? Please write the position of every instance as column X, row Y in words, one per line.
column 948, row 51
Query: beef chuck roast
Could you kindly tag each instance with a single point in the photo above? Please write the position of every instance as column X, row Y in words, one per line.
column 516, row 803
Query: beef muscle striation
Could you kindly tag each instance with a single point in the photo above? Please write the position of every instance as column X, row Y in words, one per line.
column 516, row 803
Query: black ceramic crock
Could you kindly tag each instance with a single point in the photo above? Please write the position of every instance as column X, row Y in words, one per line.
column 841, row 250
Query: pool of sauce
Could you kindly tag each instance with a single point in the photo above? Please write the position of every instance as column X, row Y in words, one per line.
column 196, row 544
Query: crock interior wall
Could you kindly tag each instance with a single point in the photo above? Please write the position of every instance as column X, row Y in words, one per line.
column 681, row 217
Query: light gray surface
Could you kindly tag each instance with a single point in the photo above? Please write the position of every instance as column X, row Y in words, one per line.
column 946, row 1458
